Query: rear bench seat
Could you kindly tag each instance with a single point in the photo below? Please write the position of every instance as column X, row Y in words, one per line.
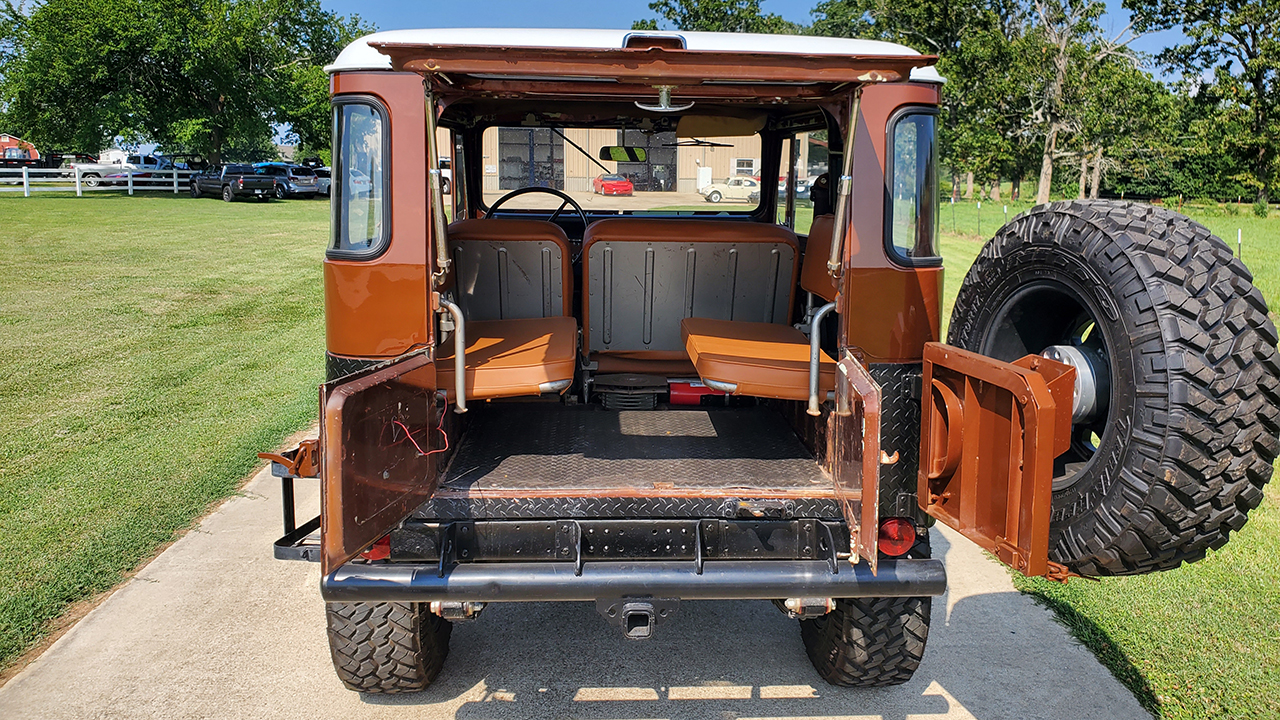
column 514, row 283
column 764, row 359
column 645, row 275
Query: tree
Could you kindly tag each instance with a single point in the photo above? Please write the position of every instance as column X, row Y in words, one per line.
column 1124, row 112
column 201, row 75
column 1237, row 41
column 982, row 52
column 1073, row 48
column 716, row 16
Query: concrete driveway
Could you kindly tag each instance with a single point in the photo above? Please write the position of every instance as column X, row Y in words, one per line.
column 215, row 628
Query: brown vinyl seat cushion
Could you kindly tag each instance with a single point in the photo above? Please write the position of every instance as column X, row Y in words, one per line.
column 510, row 358
column 763, row 359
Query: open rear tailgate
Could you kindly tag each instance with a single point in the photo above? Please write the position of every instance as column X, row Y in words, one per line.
column 376, row 437
column 989, row 432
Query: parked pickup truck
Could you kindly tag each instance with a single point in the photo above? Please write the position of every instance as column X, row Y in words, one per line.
column 92, row 173
column 232, row 181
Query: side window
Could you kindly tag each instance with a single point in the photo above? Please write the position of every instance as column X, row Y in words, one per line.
column 361, row 217
column 911, row 205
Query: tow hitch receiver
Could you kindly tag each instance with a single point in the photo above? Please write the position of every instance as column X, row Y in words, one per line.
column 636, row 615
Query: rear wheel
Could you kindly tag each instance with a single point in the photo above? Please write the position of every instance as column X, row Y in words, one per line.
column 871, row 642
column 1178, row 398
column 91, row 179
column 386, row 647
column 714, row 197
column 195, row 190
column 228, row 194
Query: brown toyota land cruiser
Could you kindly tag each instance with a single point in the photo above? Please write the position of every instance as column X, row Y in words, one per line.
column 538, row 391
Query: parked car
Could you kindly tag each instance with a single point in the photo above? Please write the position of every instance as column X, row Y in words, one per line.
column 734, row 188
column 232, row 181
column 802, row 188
column 290, row 180
column 358, row 183
column 323, row 180
column 612, row 185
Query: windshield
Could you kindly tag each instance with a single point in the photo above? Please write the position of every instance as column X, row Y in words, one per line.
column 672, row 175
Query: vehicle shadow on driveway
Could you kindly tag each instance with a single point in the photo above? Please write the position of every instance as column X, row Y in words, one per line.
column 993, row 655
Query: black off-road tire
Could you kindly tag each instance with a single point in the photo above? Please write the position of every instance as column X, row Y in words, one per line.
column 386, row 647
column 1191, row 429
column 195, row 190
column 228, row 195
column 871, row 642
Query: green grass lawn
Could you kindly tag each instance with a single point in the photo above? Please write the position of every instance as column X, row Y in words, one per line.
column 1202, row 641
column 152, row 346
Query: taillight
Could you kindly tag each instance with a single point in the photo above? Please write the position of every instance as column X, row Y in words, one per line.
column 897, row 535
column 239, row 182
column 380, row 550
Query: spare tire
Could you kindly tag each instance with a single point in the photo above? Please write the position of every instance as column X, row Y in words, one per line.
column 1172, row 446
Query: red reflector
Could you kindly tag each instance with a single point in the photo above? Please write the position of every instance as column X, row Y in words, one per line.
column 380, row 550
column 897, row 535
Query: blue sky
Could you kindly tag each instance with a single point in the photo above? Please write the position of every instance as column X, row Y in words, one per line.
column 396, row 14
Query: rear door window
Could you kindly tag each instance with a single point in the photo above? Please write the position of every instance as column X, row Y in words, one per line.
column 911, row 204
column 359, row 189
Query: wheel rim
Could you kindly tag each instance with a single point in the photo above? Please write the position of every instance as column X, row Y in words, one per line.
column 1045, row 314
column 280, row 192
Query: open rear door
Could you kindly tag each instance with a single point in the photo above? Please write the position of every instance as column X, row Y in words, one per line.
column 989, row 433
column 376, row 437
column 854, row 437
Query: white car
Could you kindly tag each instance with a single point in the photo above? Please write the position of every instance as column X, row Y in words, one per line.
column 734, row 188
column 324, row 177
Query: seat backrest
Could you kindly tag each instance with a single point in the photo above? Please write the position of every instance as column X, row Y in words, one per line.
column 506, row 269
column 814, row 275
column 644, row 275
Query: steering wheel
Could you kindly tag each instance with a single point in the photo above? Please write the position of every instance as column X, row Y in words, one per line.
column 550, row 191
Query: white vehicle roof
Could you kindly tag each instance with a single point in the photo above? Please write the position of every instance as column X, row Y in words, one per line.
column 360, row 56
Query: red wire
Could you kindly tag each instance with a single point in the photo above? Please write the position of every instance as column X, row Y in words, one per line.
column 440, row 427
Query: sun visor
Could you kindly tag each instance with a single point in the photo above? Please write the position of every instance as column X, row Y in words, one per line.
column 701, row 126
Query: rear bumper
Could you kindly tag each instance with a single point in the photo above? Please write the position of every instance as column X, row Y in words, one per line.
column 557, row 581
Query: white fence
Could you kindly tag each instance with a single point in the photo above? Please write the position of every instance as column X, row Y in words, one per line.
column 32, row 180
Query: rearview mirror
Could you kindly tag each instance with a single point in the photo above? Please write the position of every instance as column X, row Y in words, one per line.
column 618, row 153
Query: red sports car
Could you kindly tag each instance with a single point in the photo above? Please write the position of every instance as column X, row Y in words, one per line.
column 612, row 185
